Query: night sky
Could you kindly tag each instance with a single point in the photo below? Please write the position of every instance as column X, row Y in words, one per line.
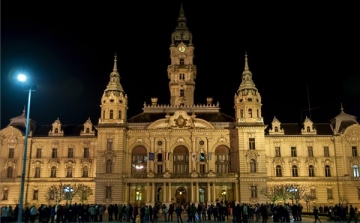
column 297, row 54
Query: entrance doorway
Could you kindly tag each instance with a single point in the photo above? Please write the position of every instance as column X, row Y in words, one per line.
column 181, row 196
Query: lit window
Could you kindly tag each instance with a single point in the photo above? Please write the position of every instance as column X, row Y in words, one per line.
column 356, row 170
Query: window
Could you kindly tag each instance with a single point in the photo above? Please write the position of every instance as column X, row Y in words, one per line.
column 252, row 166
column 111, row 114
column 294, row 171
column 138, row 195
column 241, row 113
column 35, row 194
column 5, row 195
column 327, row 171
column 311, row 171
column 85, row 172
column 54, row 153
column 120, row 114
column 11, row 153
column 159, row 168
column 69, row 171
column 182, row 94
column 313, row 194
column 70, row 153
column 329, row 193
column 222, row 162
column 139, row 161
column 326, row 151
column 356, row 170
column 251, row 143
column 86, row 153
column 202, row 169
column 10, row 172
column 53, row 172
column 37, row 172
column 308, row 129
column 310, row 151
column 250, row 112
column 293, row 151
column 159, row 157
column 87, row 130
column 253, row 191
column 354, row 151
column 202, row 195
column 182, row 61
column 276, row 129
column 202, row 157
column 108, row 166
column 109, row 144
column 277, row 152
column 38, row 153
column 278, row 171
column 182, row 77
column 181, row 160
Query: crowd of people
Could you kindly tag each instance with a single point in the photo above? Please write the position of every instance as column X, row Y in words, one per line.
column 218, row 212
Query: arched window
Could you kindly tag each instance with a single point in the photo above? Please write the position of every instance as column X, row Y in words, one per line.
column 276, row 129
column 139, row 160
column 111, row 114
column 278, row 171
column 85, row 172
column 53, row 172
column 241, row 113
column 308, row 129
column 87, row 130
column 10, row 172
column 327, row 171
column 69, row 171
column 356, row 170
column 311, row 171
column 252, row 166
column 222, row 162
column 120, row 113
column 108, row 166
column 56, row 130
column 37, row 172
column 181, row 160
column 294, row 171
column 250, row 112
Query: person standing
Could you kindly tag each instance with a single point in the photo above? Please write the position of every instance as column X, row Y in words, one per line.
column 352, row 214
column 178, row 212
column 316, row 214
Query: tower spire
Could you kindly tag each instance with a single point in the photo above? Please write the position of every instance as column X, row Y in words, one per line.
column 246, row 68
column 115, row 63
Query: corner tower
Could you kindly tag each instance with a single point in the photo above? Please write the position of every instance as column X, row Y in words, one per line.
column 114, row 101
column 181, row 71
column 247, row 100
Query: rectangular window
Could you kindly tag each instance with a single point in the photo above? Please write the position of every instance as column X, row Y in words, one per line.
column 109, row 145
column 253, row 191
column 38, row 153
column 277, row 152
column 160, row 168
column 54, row 153
column 202, row 169
column 159, row 157
column 354, row 151
column 36, row 195
column 293, row 151
column 326, row 151
column 329, row 193
column 70, row 153
column 37, row 172
column 108, row 192
column 202, row 157
column 86, row 153
column 251, row 143
column 310, row 151
column 313, row 194
column 11, row 153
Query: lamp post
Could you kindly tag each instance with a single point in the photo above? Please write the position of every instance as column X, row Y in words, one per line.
column 22, row 78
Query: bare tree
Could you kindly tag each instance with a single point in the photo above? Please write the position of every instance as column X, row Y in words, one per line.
column 300, row 192
column 270, row 192
column 55, row 193
column 307, row 198
column 83, row 192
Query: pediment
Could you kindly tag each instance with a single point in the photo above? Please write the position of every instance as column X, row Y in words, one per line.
column 181, row 120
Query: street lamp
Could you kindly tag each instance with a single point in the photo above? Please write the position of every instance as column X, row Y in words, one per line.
column 22, row 78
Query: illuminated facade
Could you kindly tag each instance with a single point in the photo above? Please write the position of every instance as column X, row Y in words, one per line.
column 183, row 152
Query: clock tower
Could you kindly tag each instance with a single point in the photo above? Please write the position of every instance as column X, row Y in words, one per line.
column 181, row 71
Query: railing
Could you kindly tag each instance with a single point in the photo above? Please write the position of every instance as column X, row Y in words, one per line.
column 180, row 175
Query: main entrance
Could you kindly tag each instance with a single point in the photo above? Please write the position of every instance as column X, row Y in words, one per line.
column 181, row 196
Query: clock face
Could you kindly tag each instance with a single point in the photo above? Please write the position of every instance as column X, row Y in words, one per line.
column 181, row 48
